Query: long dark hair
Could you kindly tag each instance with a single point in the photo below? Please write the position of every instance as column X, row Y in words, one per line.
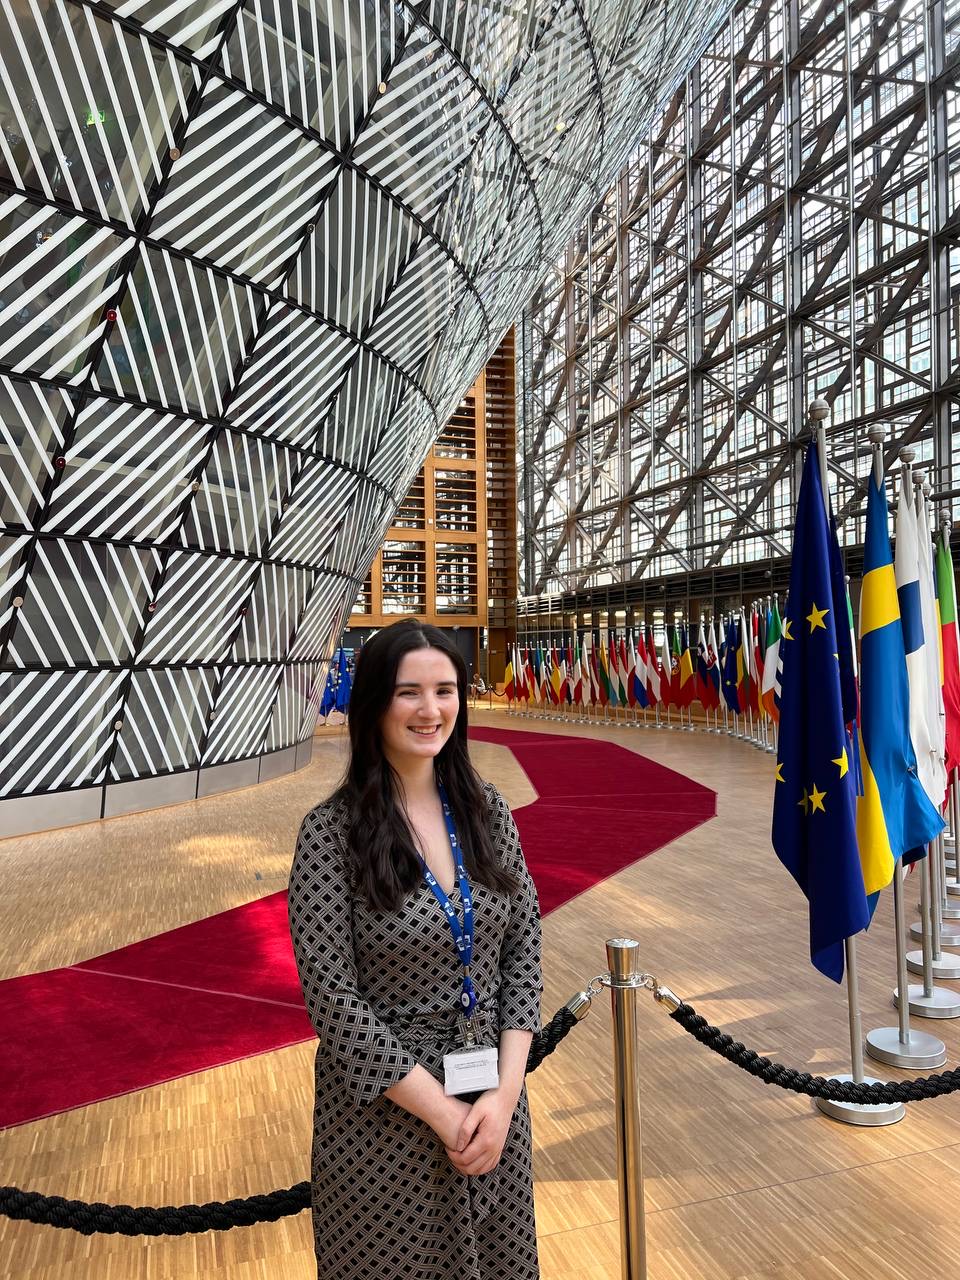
column 381, row 850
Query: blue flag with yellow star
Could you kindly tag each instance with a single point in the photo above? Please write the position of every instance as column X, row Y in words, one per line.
column 329, row 699
column 344, row 683
column 729, row 665
column 814, row 807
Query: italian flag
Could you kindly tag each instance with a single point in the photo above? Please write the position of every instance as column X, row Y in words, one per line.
column 771, row 667
column 950, row 655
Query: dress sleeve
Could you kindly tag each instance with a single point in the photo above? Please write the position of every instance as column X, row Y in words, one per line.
column 521, row 976
column 364, row 1052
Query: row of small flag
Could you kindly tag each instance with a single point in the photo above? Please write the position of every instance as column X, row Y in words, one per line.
column 864, row 753
column 336, row 691
column 631, row 670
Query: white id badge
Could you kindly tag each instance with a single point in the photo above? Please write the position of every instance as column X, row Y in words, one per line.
column 470, row 1070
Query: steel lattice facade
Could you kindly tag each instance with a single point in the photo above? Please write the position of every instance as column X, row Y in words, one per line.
column 789, row 229
column 253, row 254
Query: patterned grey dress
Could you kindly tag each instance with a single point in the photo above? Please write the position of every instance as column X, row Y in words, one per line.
column 381, row 990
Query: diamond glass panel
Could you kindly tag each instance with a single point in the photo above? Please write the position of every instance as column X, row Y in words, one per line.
column 251, row 257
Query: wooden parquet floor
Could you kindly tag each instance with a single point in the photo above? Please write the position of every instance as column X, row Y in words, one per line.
column 742, row 1182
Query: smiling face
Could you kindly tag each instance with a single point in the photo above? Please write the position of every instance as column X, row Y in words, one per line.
column 423, row 711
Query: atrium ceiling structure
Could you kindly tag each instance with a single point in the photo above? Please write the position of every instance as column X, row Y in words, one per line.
column 253, row 254
column 788, row 229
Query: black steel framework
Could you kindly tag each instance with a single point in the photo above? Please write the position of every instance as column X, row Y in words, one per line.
column 789, row 229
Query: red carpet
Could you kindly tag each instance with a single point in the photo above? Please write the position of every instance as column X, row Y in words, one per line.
column 226, row 987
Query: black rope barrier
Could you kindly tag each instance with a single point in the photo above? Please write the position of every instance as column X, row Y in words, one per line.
column 802, row 1081
column 188, row 1219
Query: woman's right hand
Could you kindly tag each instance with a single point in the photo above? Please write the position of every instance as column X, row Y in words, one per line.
column 448, row 1125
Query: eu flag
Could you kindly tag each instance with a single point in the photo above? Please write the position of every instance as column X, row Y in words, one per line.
column 329, row 699
column 344, row 684
column 814, row 808
column 730, row 669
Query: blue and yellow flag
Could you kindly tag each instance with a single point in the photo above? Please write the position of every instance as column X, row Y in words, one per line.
column 814, row 808
column 894, row 814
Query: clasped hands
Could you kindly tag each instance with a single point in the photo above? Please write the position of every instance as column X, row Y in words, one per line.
column 474, row 1135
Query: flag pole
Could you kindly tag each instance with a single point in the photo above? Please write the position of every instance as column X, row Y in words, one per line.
column 763, row 710
column 819, row 411
column 751, row 731
column 944, row 965
column 776, row 727
column 852, row 1113
column 721, row 700
column 729, row 715
column 926, row 1000
column 768, row 722
column 900, row 1046
column 954, row 824
column 739, row 719
column 946, row 524
column 941, row 965
column 949, row 932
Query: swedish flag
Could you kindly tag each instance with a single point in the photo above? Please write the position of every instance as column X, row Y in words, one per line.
column 814, row 808
column 894, row 814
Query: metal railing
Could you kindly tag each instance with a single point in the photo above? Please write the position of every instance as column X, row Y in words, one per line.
column 624, row 979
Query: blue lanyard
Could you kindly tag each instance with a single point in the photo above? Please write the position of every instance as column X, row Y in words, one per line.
column 462, row 938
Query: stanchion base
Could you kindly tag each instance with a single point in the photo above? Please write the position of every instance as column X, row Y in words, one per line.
column 953, row 888
column 948, row 966
column 922, row 1050
column 941, row 1003
column 948, row 912
column 949, row 934
column 857, row 1113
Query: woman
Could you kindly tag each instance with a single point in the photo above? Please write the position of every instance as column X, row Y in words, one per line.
column 410, row 1180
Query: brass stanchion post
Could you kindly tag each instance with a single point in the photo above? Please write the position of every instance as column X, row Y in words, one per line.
column 624, row 984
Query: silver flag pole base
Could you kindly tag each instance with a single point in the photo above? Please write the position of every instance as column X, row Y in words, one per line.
column 949, row 934
column 857, row 1112
column 940, row 1003
column 947, row 966
column 919, row 1050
